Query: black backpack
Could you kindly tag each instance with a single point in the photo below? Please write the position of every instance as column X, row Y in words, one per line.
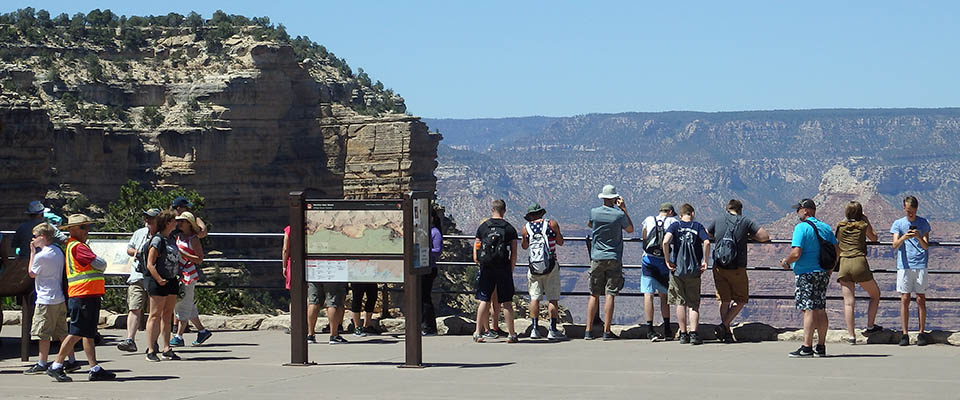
column 144, row 251
column 689, row 252
column 494, row 247
column 654, row 243
column 725, row 252
column 828, row 253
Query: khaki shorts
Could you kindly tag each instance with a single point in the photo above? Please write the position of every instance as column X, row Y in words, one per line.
column 684, row 291
column 49, row 322
column 137, row 298
column 606, row 277
column 544, row 285
column 186, row 308
column 732, row 284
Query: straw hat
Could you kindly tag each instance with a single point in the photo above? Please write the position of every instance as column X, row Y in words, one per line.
column 77, row 220
column 188, row 216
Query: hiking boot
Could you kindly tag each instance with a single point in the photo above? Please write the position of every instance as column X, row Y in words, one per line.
column 59, row 375
column 587, row 335
column 491, row 334
column 176, row 342
column 36, row 369
column 359, row 332
column 170, row 355
column 609, row 336
column 71, row 366
column 820, row 350
column 312, row 339
column 512, row 338
column 152, row 356
column 338, row 340
column 802, row 352
column 535, row 333
column 869, row 331
column 695, row 339
column 556, row 335
column 202, row 336
column 684, row 338
column 922, row 339
column 127, row 345
column 905, row 340
column 101, row 375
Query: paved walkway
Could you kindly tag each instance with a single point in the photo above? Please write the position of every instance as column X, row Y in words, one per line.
column 247, row 365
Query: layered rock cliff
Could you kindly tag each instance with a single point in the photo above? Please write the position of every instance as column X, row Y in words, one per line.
column 243, row 123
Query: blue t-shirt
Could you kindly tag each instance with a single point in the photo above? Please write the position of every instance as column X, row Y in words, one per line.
column 806, row 240
column 911, row 255
column 608, row 223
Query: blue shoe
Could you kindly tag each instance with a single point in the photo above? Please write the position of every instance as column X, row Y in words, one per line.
column 176, row 342
column 202, row 336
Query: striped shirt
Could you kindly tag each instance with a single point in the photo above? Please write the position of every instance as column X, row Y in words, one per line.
column 188, row 269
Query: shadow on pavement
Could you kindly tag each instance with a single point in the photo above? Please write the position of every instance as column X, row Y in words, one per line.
column 214, row 358
column 145, row 378
column 428, row 365
column 857, row 355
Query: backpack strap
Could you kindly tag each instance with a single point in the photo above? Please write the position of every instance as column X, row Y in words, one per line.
column 815, row 231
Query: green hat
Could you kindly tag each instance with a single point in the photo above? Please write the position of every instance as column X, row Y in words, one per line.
column 534, row 208
column 667, row 207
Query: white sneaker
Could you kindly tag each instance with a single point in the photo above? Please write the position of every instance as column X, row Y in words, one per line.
column 556, row 335
column 535, row 333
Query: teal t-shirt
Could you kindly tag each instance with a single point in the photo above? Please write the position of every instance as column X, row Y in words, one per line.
column 806, row 240
column 608, row 224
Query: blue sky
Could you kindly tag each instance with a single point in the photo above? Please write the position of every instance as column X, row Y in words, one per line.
column 459, row 59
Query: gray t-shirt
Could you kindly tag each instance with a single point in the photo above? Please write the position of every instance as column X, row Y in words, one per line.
column 608, row 224
column 168, row 267
column 745, row 230
column 136, row 243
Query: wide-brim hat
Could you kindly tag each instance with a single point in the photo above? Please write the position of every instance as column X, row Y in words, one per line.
column 77, row 220
column 189, row 217
column 608, row 192
column 35, row 207
column 534, row 208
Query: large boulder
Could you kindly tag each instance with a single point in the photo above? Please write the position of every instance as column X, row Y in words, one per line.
column 455, row 325
column 754, row 332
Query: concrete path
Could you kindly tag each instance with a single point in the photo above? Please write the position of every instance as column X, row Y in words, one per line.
column 247, row 365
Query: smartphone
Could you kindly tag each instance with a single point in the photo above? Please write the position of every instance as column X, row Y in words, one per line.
column 913, row 227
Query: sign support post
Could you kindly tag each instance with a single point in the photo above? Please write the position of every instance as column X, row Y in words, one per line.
column 298, row 283
column 413, row 342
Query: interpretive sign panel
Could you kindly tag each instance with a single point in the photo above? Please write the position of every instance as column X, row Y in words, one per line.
column 354, row 228
column 380, row 271
column 114, row 251
column 421, row 232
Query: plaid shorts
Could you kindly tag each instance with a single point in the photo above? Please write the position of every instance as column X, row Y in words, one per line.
column 811, row 293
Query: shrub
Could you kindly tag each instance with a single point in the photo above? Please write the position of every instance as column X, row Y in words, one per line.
column 151, row 116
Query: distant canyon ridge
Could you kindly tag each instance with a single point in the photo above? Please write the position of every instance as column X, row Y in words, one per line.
column 767, row 159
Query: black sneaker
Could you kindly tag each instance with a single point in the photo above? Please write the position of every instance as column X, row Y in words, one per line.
column 684, row 338
column 71, row 366
column 59, row 375
column 922, row 339
column 338, row 340
column 101, row 375
column 869, row 331
column 312, row 339
column 905, row 340
column 127, row 345
column 359, row 332
column 501, row 332
column 152, row 356
column 820, row 350
column 728, row 335
column 587, row 335
column 36, row 369
column 654, row 336
column 695, row 339
column 720, row 332
column 610, row 336
column 802, row 352
column 170, row 355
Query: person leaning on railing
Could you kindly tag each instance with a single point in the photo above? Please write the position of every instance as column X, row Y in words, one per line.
column 852, row 235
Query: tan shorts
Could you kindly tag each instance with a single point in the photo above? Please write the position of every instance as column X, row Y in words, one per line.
column 49, row 322
column 544, row 285
column 137, row 298
column 732, row 284
column 684, row 291
column 606, row 277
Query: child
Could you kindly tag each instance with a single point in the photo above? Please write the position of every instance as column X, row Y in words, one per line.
column 50, row 314
column 690, row 243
